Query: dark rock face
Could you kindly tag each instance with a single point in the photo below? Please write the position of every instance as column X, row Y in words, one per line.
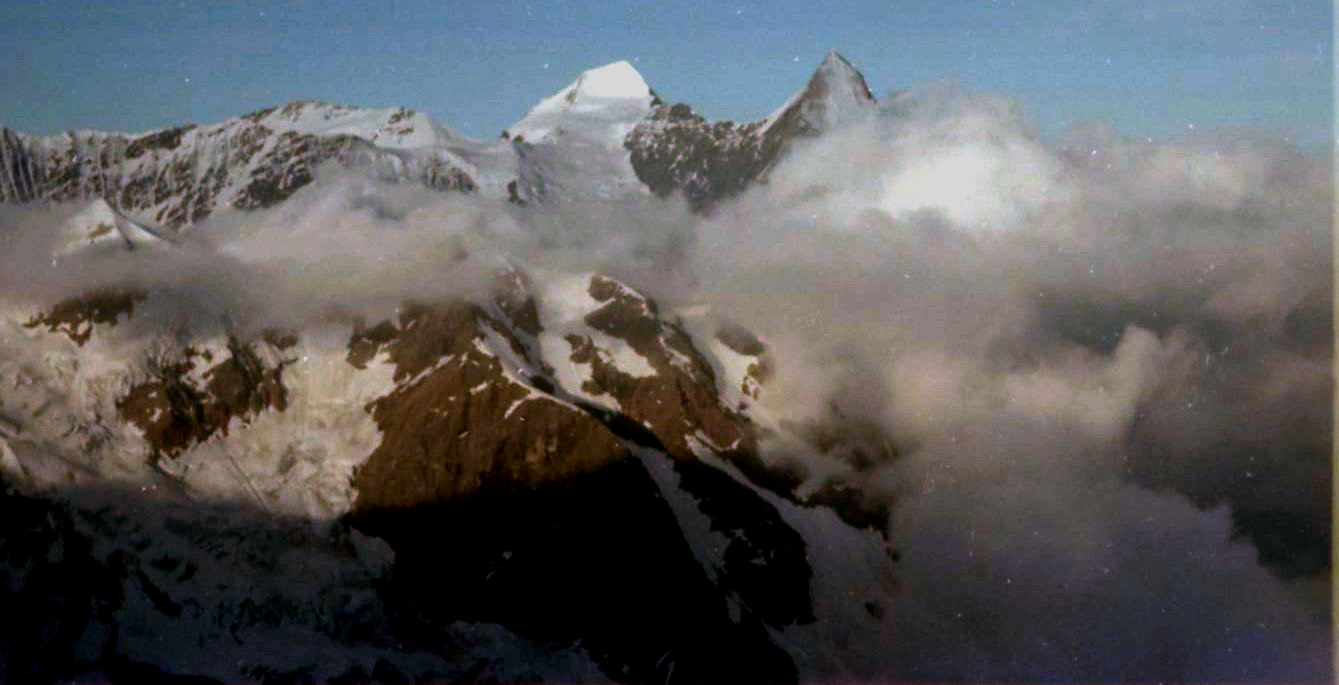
column 765, row 562
column 512, row 295
column 513, row 194
column 54, row 592
column 852, row 504
column 741, row 340
column 174, row 413
column 676, row 150
column 679, row 407
column 160, row 140
column 456, row 425
column 443, row 175
column 744, row 342
column 680, row 401
column 75, row 317
column 18, row 169
column 506, row 503
column 287, row 167
column 597, row 558
column 864, row 446
column 90, row 587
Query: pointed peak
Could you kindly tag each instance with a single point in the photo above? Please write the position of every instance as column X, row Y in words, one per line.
column 608, row 99
column 834, row 58
column 835, row 92
column 618, row 80
column 836, row 74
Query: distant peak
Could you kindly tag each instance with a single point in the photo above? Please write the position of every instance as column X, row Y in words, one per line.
column 618, row 80
column 836, row 73
column 837, row 91
column 834, row 58
column 613, row 93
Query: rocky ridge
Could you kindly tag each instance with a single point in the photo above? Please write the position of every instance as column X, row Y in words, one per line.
column 607, row 135
column 180, row 176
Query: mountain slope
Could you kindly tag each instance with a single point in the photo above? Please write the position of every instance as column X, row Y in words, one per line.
column 560, row 461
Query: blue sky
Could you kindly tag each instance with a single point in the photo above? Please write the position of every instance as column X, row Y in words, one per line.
column 1145, row 68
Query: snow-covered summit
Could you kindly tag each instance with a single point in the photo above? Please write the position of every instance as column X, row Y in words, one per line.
column 619, row 80
column 603, row 103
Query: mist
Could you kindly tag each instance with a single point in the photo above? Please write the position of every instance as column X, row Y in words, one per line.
column 1105, row 361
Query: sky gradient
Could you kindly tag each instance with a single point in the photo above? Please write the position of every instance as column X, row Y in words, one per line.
column 1143, row 67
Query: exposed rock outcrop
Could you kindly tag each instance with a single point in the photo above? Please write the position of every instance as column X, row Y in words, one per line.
column 456, row 423
column 176, row 409
column 76, row 316
column 510, row 467
column 676, row 150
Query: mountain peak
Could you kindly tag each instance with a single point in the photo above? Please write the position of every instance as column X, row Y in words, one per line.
column 838, row 81
column 834, row 58
column 618, row 80
column 835, row 92
column 606, row 100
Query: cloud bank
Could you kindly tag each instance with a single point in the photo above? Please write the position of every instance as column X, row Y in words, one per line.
column 1106, row 363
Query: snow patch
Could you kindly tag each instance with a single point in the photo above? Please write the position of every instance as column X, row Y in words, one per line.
column 566, row 304
column 393, row 128
column 59, row 405
column 300, row 460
